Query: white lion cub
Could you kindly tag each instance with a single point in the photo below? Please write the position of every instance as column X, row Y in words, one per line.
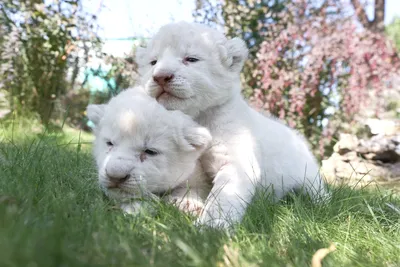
column 196, row 69
column 143, row 149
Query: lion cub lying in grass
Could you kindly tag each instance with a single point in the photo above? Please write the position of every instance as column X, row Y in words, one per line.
column 143, row 150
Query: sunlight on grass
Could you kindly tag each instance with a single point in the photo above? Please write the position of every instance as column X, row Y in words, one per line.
column 53, row 213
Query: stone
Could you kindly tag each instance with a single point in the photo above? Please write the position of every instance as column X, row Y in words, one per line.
column 382, row 127
column 346, row 144
column 397, row 150
column 363, row 161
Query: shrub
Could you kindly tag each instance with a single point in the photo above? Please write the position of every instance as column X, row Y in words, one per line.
column 42, row 48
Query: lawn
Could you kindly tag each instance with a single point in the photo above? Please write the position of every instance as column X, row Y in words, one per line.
column 52, row 213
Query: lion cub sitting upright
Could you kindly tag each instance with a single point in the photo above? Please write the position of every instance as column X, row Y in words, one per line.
column 142, row 149
column 196, row 69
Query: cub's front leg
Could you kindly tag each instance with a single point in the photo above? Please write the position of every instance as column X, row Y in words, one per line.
column 190, row 195
column 234, row 185
column 187, row 200
column 228, row 199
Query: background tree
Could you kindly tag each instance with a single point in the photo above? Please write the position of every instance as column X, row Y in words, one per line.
column 312, row 64
column 376, row 24
column 43, row 47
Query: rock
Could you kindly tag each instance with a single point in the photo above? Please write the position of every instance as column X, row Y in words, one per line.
column 350, row 156
column 362, row 161
column 397, row 150
column 396, row 139
column 394, row 169
column 347, row 143
column 382, row 127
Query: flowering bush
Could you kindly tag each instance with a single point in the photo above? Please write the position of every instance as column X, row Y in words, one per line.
column 312, row 63
column 321, row 65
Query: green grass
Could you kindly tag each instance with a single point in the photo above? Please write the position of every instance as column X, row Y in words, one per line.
column 53, row 214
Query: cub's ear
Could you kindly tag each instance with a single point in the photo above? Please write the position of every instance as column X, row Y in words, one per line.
column 234, row 53
column 95, row 112
column 195, row 138
column 140, row 55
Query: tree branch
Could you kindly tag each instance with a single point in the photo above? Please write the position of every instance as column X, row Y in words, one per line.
column 375, row 25
column 361, row 14
column 379, row 16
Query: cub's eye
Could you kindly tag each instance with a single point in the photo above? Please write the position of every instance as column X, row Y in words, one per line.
column 109, row 143
column 151, row 152
column 191, row 59
column 154, row 62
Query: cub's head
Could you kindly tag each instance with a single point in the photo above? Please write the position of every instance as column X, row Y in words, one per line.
column 191, row 67
column 140, row 146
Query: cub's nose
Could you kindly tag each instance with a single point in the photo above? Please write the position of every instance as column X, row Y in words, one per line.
column 163, row 79
column 118, row 170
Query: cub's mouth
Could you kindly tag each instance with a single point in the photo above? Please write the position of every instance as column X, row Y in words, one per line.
column 165, row 93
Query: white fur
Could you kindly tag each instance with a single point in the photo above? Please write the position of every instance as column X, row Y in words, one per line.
column 134, row 122
column 248, row 149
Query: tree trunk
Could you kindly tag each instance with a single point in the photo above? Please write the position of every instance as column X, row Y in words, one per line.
column 375, row 25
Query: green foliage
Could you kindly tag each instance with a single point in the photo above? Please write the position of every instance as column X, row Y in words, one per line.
column 118, row 74
column 42, row 49
column 124, row 70
column 122, row 73
column 54, row 214
column 393, row 32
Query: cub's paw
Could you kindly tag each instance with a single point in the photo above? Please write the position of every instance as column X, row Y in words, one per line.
column 213, row 223
column 136, row 208
column 188, row 205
